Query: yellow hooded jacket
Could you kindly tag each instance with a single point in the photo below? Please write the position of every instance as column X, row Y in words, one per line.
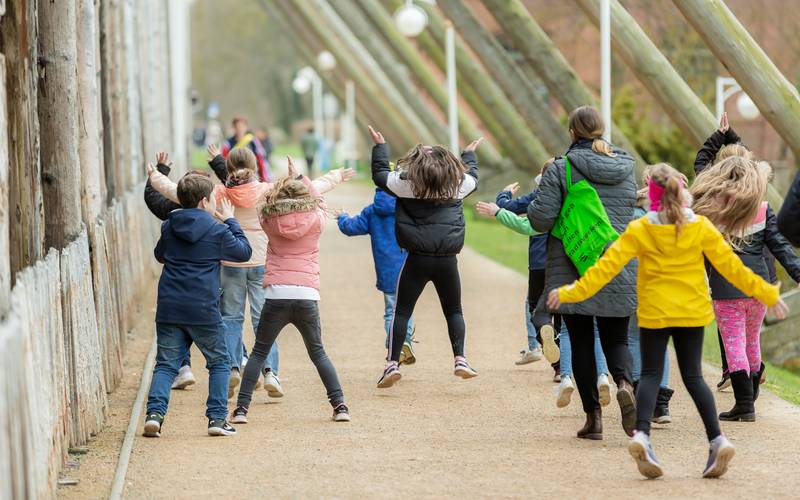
column 672, row 286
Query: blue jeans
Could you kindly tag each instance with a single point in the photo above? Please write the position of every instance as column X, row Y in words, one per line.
column 389, row 302
column 173, row 343
column 532, row 342
column 636, row 354
column 238, row 285
column 566, row 353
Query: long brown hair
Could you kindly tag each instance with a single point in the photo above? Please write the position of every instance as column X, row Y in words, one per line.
column 674, row 197
column 288, row 195
column 433, row 171
column 241, row 165
column 585, row 122
column 729, row 193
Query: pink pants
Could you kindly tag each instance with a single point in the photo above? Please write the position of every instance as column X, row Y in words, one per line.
column 739, row 322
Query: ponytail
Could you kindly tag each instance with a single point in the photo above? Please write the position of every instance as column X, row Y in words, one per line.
column 599, row 145
column 672, row 204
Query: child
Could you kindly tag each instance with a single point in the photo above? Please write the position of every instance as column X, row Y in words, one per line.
column 378, row 221
column 293, row 218
column 727, row 194
column 430, row 183
column 191, row 247
column 670, row 243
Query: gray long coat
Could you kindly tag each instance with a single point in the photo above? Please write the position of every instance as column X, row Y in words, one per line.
column 614, row 180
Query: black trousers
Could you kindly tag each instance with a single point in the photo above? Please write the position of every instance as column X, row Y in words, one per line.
column 536, row 279
column 688, row 344
column 417, row 272
column 614, row 339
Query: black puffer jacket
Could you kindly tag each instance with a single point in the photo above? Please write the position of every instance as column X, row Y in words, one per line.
column 614, row 179
column 708, row 151
column 425, row 227
column 762, row 235
column 789, row 216
column 159, row 205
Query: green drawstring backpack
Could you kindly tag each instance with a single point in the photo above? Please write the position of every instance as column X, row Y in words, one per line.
column 583, row 225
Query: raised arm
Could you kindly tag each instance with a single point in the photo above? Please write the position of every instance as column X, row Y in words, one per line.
column 330, row 180
column 217, row 163
column 517, row 223
column 708, row 151
column 164, row 185
column 517, row 205
column 155, row 201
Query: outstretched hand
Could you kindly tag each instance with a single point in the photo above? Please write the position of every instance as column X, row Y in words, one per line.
column 347, row 174
column 512, row 188
column 150, row 168
column 163, row 158
column 472, row 146
column 225, row 210
column 213, row 151
column 291, row 169
column 487, row 208
column 724, row 126
column 339, row 211
column 377, row 137
column 553, row 300
column 780, row 310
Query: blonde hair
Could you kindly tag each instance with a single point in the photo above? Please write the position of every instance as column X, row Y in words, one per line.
column 547, row 164
column 674, row 197
column 729, row 150
column 585, row 122
column 434, row 172
column 241, row 165
column 288, row 195
column 730, row 193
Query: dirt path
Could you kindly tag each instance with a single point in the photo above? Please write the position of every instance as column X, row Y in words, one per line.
column 433, row 435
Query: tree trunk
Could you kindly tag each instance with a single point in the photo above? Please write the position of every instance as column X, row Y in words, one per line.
column 18, row 34
column 58, row 118
column 5, row 262
column 533, row 43
column 92, row 202
column 730, row 42
column 505, row 72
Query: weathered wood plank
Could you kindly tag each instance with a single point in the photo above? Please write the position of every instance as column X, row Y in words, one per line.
column 5, row 261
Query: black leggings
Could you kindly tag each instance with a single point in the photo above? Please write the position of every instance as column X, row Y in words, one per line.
column 417, row 272
column 614, row 339
column 688, row 344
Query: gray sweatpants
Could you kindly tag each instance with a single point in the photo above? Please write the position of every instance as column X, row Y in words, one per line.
column 276, row 314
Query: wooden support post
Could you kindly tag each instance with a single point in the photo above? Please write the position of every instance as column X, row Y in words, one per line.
column 5, row 262
column 108, row 96
column 58, row 118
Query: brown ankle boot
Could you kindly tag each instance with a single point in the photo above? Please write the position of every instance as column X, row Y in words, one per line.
column 593, row 428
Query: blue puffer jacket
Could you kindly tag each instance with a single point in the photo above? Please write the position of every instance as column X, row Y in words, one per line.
column 537, row 245
column 377, row 220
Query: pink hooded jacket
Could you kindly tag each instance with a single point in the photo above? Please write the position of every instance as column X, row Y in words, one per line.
column 293, row 248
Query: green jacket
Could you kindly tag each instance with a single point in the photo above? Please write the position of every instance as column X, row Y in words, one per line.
column 517, row 223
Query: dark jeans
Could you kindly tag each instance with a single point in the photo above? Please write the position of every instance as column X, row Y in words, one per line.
column 417, row 272
column 173, row 342
column 688, row 343
column 613, row 334
column 276, row 314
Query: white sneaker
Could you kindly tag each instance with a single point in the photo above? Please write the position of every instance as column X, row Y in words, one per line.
column 233, row 382
column 463, row 370
column 391, row 375
column 551, row 351
column 565, row 390
column 642, row 452
column 529, row 356
column 604, row 389
column 184, row 379
column 272, row 385
column 720, row 453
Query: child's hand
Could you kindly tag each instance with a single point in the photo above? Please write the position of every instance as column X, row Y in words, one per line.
column 213, row 151
column 291, row 170
column 225, row 210
column 150, row 169
column 377, row 137
column 724, row 126
column 339, row 211
column 513, row 188
column 553, row 300
column 487, row 208
column 163, row 158
column 779, row 310
column 347, row 174
column 472, row 146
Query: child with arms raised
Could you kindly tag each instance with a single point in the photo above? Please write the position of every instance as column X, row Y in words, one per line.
column 671, row 243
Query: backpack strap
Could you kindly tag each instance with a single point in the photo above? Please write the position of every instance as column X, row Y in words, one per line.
column 568, row 172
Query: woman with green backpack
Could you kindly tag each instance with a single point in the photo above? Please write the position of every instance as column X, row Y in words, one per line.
column 586, row 199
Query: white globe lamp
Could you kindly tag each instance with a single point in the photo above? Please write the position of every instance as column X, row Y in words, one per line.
column 326, row 61
column 301, row 84
column 746, row 107
column 410, row 19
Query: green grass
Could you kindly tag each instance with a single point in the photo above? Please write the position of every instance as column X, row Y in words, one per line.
column 294, row 150
column 487, row 237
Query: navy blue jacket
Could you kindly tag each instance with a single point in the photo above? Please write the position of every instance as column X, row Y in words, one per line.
column 377, row 220
column 537, row 245
column 191, row 247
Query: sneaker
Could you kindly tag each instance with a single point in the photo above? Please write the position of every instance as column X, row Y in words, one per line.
column 720, row 453
column 220, row 427
column 549, row 346
column 341, row 413
column 604, row 389
column 391, row 375
column 152, row 425
column 239, row 415
column 407, row 355
column 529, row 356
column 233, row 382
column 184, row 379
column 556, row 376
column 565, row 390
column 642, row 452
column 725, row 383
column 272, row 385
column 463, row 370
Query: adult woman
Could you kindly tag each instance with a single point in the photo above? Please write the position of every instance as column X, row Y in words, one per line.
column 610, row 171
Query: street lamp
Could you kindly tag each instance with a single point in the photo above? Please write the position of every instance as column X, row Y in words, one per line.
column 411, row 19
column 726, row 88
column 326, row 61
column 307, row 79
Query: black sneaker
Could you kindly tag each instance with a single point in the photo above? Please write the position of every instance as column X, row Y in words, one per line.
column 220, row 427
column 239, row 415
column 341, row 413
column 152, row 425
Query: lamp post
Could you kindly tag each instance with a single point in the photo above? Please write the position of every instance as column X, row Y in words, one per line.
column 307, row 79
column 726, row 88
column 605, row 65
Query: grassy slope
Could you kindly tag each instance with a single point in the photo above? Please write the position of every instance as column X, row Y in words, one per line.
column 489, row 238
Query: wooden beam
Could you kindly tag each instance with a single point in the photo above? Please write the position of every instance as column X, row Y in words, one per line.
column 5, row 260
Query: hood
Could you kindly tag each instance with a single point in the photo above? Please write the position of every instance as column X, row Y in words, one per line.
column 662, row 236
column 246, row 195
column 384, row 203
column 600, row 168
column 291, row 219
column 190, row 224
